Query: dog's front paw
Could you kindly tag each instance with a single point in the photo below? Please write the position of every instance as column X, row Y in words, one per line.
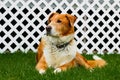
column 41, row 71
column 91, row 70
column 57, row 70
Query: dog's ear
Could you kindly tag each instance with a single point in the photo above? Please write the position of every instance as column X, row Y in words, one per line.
column 71, row 19
column 51, row 15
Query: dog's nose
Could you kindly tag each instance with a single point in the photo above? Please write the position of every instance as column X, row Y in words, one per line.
column 48, row 28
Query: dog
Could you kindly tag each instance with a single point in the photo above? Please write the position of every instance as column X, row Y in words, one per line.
column 58, row 48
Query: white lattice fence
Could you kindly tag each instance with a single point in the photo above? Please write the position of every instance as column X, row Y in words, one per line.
column 23, row 22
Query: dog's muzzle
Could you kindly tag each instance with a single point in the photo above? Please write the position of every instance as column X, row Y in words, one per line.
column 48, row 30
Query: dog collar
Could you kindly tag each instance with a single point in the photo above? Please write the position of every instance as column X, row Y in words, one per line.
column 63, row 45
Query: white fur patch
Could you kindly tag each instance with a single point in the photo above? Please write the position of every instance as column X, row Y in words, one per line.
column 97, row 57
column 41, row 71
column 56, row 57
column 57, row 70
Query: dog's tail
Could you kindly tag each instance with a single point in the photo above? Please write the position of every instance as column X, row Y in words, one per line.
column 97, row 62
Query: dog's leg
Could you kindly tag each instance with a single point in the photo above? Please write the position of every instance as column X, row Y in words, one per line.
column 40, row 51
column 82, row 61
column 97, row 62
column 41, row 65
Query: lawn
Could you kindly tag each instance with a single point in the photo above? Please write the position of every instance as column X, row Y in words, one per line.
column 21, row 66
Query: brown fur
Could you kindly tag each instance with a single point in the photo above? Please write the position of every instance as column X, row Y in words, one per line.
column 65, row 27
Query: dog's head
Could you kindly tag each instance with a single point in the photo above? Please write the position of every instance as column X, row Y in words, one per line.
column 60, row 24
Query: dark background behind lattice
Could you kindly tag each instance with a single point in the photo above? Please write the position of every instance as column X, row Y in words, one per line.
column 23, row 22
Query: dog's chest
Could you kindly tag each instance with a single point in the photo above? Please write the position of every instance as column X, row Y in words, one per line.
column 56, row 57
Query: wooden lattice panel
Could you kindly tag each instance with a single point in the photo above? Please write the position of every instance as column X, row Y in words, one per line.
column 23, row 22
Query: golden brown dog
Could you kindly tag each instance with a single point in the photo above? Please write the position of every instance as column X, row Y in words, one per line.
column 57, row 49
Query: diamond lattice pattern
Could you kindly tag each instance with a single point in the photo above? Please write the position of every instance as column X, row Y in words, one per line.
column 23, row 22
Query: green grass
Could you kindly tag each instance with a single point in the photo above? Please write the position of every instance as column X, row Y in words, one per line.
column 21, row 66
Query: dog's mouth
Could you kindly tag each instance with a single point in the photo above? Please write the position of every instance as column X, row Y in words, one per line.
column 48, row 33
column 48, row 30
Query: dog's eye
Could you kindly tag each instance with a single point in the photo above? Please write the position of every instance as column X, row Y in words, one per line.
column 59, row 21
